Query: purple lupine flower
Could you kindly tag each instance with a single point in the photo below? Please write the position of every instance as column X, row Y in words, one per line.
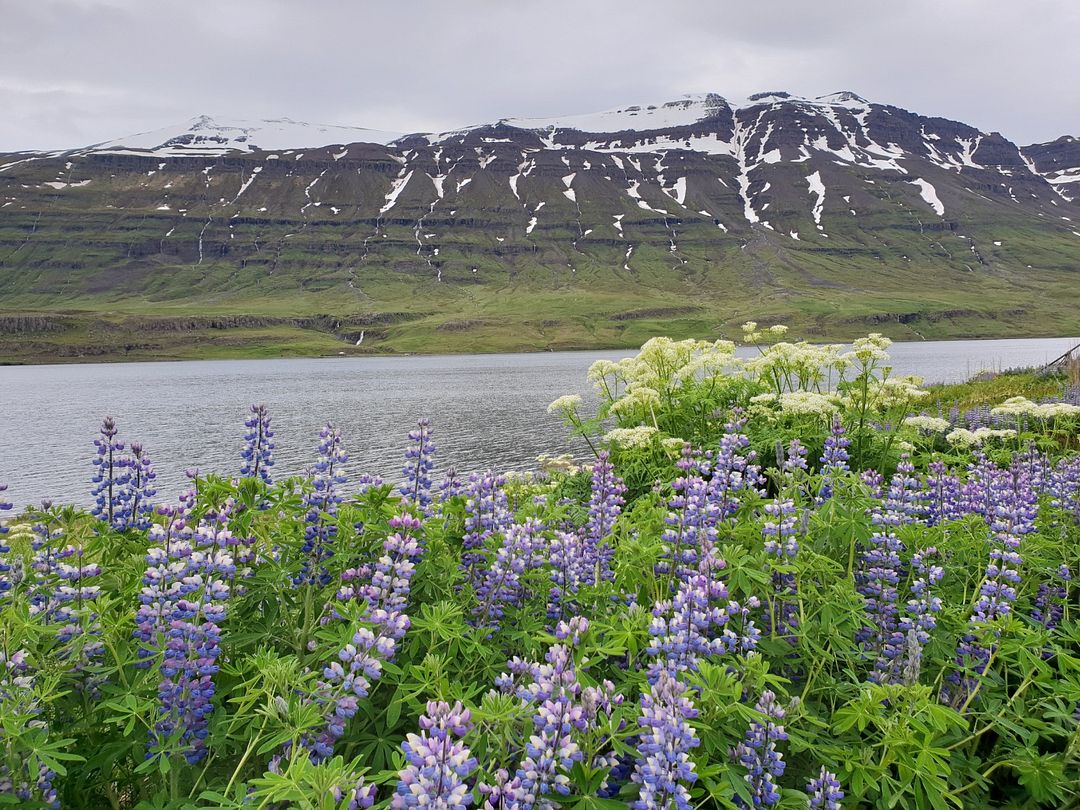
column 873, row 481
column 566, row 558
column 825, row 792
column 73, row 609
column 733, row 472
column 758, row 753
column 879, row 577
column 692, row 518
column 691, row 626
column 1051, row 598
column 486, row 514
column 1035, row 466
column 348, row 679
column 906, row 496
column 664, row 768
column 976, row 493
column 795, row 460
column 1014, row 516
column 6, row 583
column 552, row 749
column 921, row 617
column 139, row 488
column 1015, row 505
column 322, row 501
column 167, row 562
column 437, row 763
column 781, row 543
column 386, row 594
column 110, row 476
column 416, row 488
column 451, row 486
column 258, row 452
column 197, row 609
column 943, row 501
column 834, row 459
column 63, row 594
column 47, row 547
column 521, row 551
column 605, row 504
column 599, row 704
column 23, row 705
column 1064, row 487
column 362, row 796
column 504, row 793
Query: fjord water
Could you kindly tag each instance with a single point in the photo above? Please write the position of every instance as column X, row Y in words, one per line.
column 487, row 411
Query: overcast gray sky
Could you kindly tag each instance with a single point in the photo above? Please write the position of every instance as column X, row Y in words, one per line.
column 75, row 72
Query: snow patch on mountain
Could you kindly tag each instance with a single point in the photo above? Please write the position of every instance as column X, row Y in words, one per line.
column 817, row 188
column 929, row 194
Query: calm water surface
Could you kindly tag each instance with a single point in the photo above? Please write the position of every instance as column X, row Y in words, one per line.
column 486, row 410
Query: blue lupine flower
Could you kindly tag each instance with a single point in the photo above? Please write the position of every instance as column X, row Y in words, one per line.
column 834, row 459
column 110, row 476
column 758, row 752
column 664, row 768
column 196, row 608
column 1011, row 505
column 258, row 452
column 921, row 617
column 567, row 560
column 437, row 763
column 486, row 514
column 416, row 488
column 879, row 578
column 694, row 625
column 327, row 474
column 348, row 679
column 451, row 485
column 692, row 518
column 781, row 543
column 167, row 562
column 605, row 504
column 552, row 749
column 6, row 583
column 20, row 699
column 138, row 488
column 825, row 792
column 1050, row 599
column 521, row 551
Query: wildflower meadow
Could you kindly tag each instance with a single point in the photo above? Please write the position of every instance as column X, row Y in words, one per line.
column 791, row 581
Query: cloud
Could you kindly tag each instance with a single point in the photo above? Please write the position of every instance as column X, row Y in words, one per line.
column 74, row 72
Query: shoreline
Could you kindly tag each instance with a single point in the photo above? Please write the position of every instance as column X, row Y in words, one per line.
column 121, row 359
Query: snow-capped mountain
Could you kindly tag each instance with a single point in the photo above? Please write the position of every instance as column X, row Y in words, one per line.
column 774, row 195
column 207, row 136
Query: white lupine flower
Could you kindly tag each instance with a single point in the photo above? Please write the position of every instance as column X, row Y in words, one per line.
column 565, row 405
column 930, row 424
